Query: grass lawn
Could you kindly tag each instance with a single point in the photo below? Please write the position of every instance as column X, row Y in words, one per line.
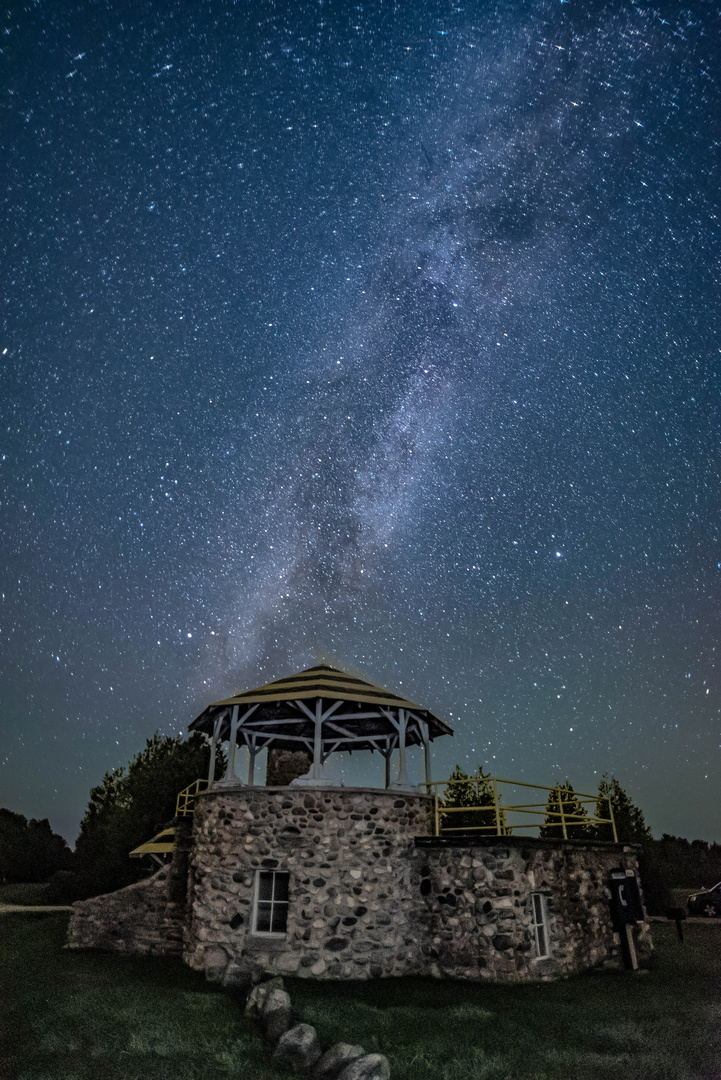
column 662, row 1024
column 70, row 1015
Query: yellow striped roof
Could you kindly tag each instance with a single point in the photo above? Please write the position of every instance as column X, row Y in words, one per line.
column 324, row 682
column 162, row 843
column 320, row 681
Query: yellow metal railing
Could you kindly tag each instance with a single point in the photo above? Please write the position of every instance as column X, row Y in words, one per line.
column 499, row 812
column 186, row 799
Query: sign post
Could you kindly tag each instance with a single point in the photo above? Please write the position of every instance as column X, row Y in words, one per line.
column 627, row 910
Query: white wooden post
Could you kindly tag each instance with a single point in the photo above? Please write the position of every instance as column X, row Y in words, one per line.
column 230, row 776
column 387, row 757
column 314, row 777
column 242, row 761
column 402, row 779
column 317, row 771
column 252, row 752
column 426, row 754
column 214, row 747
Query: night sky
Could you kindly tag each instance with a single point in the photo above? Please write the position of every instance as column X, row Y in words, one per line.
column 376, row 334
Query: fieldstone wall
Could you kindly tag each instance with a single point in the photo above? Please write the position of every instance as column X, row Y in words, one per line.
column 137, row 919
column 372, row 893
column 354, row 884
column 146, row 917
column 478, row 914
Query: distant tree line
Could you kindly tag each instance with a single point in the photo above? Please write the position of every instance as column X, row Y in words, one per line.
column 675, row 863
column 30, row 850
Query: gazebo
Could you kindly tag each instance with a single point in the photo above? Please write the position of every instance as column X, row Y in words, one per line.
column 318, row 712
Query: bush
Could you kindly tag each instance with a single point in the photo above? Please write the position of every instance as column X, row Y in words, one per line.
column 32, row 893
column 62, row 888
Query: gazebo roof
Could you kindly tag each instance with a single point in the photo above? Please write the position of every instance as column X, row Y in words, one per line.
column 355, row 714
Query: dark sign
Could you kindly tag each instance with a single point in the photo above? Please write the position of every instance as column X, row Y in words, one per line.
column 626, row 904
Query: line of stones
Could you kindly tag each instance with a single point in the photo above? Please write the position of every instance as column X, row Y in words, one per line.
column 298, row 1046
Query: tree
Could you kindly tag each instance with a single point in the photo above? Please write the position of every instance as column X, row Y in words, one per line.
column 565, row 808
column 630, row 825
column 134, row 803
column 30, row 850
column 472, row 791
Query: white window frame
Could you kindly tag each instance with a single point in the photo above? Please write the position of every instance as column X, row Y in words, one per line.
column 273, row 904
column 539, row 923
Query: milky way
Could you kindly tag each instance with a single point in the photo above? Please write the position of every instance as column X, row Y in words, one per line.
column 383, row 335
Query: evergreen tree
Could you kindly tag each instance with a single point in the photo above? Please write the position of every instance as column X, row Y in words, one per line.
column 134, row 803
column 630, row 825
column 472, row 791
column 564, row 807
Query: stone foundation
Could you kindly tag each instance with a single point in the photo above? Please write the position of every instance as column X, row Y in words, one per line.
column 146, row 917
column 138, row 919
column 353, row 882
column 478, row 906
column 371, row 893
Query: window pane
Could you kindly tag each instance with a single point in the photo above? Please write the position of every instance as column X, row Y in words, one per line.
column 262, row 918
column 271, row 902
column 280, row 918
column 265, row 885
column 281, row 887
column 539, row 924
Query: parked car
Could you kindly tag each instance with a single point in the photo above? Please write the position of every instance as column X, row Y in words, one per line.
column 706, row 903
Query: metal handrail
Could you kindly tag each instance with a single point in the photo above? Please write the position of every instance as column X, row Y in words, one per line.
column 501, row 810
column 185, row 803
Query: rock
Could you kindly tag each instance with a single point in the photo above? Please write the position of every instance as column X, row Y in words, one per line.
column 288, row 963
column 238, row 975
column 215, row 961
column 298, row 1047
column 335, row 1060
column 367, row 1067
column 256, row 997
column 275, row 1014
column 337, row 944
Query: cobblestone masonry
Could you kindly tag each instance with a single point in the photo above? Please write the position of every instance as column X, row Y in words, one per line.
column 138, row 919
column 478, row 915
column 145, row 918
column 372, row 894
column 354, row 883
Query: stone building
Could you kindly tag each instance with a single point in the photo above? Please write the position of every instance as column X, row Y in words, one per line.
column 304, row 877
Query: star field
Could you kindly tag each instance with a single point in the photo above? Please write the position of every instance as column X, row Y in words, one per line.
column 380, row 334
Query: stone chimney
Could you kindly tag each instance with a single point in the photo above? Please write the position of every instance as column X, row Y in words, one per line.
column 285, row 765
